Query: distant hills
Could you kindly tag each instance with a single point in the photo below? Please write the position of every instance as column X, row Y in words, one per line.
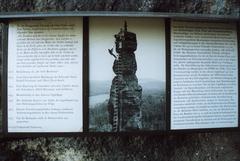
column 99, row 87
column 150, row 84
column 103, row 87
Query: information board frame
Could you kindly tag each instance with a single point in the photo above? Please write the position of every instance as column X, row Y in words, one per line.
column 5, row 17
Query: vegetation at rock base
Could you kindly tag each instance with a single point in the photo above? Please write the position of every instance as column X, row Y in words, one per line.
column 153, row 113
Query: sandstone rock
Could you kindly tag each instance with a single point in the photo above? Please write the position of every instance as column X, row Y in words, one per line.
column 226, row 7
column 125, row 95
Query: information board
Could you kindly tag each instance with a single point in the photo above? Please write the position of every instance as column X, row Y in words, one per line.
column 89, row 73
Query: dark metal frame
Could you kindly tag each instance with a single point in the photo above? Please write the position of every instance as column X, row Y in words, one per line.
column 85, row 74
column 11, row 15
column 4, row 76
column 5, row 17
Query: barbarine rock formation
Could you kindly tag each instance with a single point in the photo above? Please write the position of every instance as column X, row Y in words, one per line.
column 124, row 105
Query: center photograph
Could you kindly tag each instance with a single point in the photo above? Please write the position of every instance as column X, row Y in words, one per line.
column 127, row 79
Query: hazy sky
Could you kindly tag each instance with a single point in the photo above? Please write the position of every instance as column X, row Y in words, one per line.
column 150, row 53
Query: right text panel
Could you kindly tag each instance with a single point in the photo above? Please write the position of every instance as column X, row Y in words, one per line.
column 204, row 75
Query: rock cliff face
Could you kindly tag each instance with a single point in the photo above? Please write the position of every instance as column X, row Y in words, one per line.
column 219, row 146
column 226, row 7
column 125, row 95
